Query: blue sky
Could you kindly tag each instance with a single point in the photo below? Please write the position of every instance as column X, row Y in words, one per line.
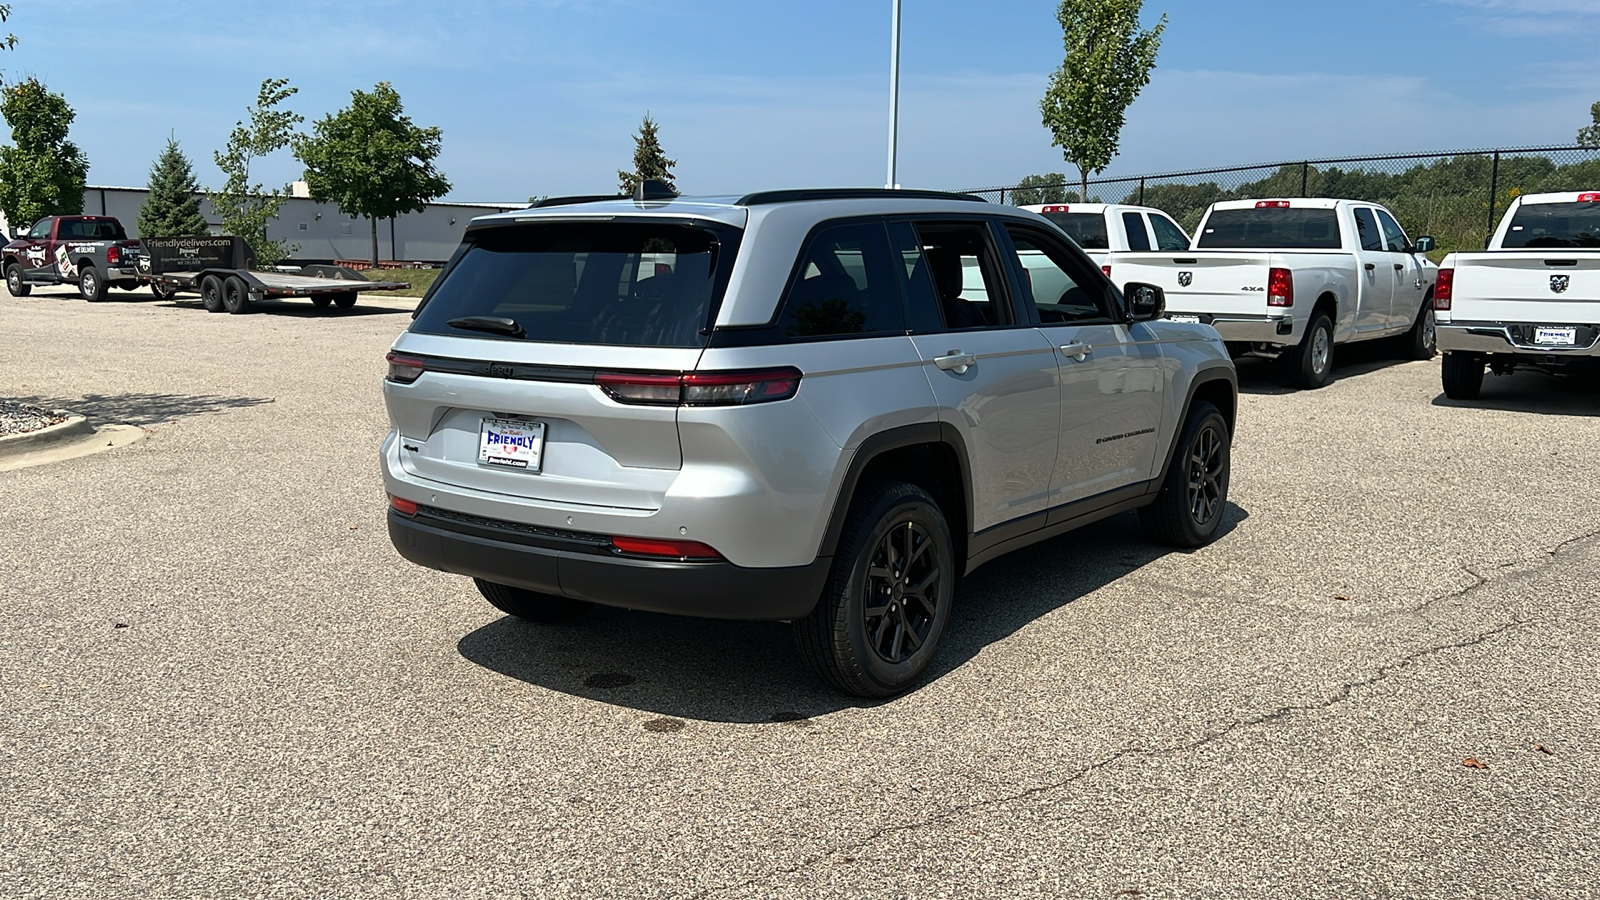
column 542, row 96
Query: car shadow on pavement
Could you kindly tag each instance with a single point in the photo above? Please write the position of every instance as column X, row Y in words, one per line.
column 304, row 309
column 1269, row 376
column 143, row 409
column 1533, row 391
column 750, row 672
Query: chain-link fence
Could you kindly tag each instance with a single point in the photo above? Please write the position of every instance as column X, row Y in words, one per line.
column 1456, row 197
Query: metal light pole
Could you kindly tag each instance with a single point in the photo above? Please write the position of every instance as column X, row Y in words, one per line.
column 894, row 90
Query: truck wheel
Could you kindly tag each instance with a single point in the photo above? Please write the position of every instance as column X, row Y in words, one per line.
column 161, row 291
column 235, row 296
column 14, row 282
column 90, row 285
column 211, row 293
column 1311, row 364
column 1421, row 340
column 321, row 301
column 1462, row 375
column 529, row 605
column 345, row 300
column 1188, row 510
column 878, row 623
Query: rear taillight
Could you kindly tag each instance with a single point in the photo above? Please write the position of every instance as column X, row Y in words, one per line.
column 1280, row 287
column 663, row 548
column 113, row 255
column 701, row 388
column 403, row 507
column 1106, row 271
column 1272, row 204
column 405, row 369
column 1444, row 288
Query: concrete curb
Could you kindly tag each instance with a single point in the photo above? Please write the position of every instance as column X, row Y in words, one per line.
column 29, row 441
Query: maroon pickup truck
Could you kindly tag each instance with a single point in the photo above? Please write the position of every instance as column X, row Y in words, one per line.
column 92, row 252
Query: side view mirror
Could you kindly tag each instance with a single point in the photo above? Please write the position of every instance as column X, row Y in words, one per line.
column 1146, row 302
column 1426, row 244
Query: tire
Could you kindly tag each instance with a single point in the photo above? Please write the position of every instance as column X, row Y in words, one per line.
column 1421, row 342
column 235, row 296
column 529, row 605
column 321, row 301
column 14, row 282
column 345, row 300
column 1311, row 363
column 91, row 285
column 1188, row 511
column 859, row 637
column 161, row 291
column 1462, row 374
column 211, row 293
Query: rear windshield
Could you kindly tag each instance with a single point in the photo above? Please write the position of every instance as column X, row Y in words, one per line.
column 1270, row 229
column 91, row 230
column 1087, row 229
column 1554, row 225
column 634, row 285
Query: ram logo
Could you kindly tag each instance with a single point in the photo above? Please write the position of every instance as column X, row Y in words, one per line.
column 1185, row 279
column 1558, row 283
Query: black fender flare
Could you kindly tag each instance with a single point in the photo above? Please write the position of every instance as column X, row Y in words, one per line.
column 1213, row 375
column 881, row 443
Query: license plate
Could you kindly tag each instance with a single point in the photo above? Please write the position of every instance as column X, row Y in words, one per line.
column 1557, row 337
column 511, row 443
column 1192, row 320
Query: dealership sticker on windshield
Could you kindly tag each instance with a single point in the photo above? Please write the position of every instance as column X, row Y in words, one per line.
column 512, row 443
column 1559, row 337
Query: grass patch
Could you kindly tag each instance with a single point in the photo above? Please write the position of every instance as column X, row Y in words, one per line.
column 419, row 279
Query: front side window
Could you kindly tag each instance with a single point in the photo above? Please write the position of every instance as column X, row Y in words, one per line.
column 1047, row 277
column 846, row 284
column 625, row 284
column 1393, row 234
column 1168, row 235
column 40, row 230
column 1554, row 225
column 1367, row 230
column 1138, row 238
column 1270, row 228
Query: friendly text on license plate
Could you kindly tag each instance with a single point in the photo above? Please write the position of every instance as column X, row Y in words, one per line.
column 513, row 443
column 1192, row 320
column 1561, row 337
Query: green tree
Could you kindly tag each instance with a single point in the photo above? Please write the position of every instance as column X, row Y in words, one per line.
column 1589, row 136
column 1107, row 63
column 649, row 160
column 246, row 208
column 173, row 206
column 370, row 160
column 1033, row 190
column 43, row 173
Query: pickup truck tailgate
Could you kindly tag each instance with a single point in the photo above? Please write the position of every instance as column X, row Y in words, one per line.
column 1538, row 286
column 1214, row 283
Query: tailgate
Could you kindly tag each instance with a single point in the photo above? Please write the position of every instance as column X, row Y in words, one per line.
column 1534, row 286
column 1209, row 283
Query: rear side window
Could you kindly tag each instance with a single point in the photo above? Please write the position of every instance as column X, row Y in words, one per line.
column 1554, row 225
column 1367, row 230
column 1270, row 229
column 1087, row 230
column 1168, row 235
column 91, row 230
column 623, row 284
column 845, row 284
column 1138, row 238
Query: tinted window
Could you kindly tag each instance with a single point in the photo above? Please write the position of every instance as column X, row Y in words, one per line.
column 846, row 285
column 1047, row 276
column 1168, row 235
column 1554, row 225
column 1393, row 234
column 922, row 301
column 1367, row 230
column 961, row 268
column 1138, row 238
column 1270, row 229
column 611, row 283
column 1087, row 230
column 90, row 230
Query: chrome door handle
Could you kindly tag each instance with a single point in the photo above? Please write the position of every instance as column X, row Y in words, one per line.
column 1076, row 349
column 956, row 361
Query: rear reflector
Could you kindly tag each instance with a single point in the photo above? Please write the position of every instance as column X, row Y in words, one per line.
column 403, row 507
column 1444, row 288
column 1055, row 209
column 1106, row 270
column 404, row 369
column 1273, row 204
column 701, row 388
column 663, row 548
column 1589, row 198
column 1280, row 287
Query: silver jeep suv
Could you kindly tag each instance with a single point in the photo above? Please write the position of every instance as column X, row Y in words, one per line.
column 821, row 406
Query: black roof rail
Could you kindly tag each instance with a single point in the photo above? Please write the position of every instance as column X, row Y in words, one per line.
column 580, row 198
column 761, row 198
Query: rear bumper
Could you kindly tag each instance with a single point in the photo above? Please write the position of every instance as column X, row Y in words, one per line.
column 1502, row 339
column 577, row 566
column 1249, row 329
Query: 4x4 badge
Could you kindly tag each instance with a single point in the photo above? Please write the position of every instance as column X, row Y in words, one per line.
column 1185, row 279
column 1558, row 283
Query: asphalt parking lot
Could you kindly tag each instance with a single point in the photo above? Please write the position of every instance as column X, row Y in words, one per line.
column 221, row 681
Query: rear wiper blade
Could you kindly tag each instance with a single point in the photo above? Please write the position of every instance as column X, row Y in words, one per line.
column 496, row 324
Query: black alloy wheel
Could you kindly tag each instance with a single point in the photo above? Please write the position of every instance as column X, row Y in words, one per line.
column 1208, row 475
column 1188, row 510
column 235, row 295
column 211, row 293
column 903, row 592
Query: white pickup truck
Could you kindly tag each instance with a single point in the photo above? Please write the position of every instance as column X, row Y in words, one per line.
column 1294, row 278
column 1107, row 231
column 1532, row 299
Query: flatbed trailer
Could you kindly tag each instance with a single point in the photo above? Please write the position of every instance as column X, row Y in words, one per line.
column 221, row 270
